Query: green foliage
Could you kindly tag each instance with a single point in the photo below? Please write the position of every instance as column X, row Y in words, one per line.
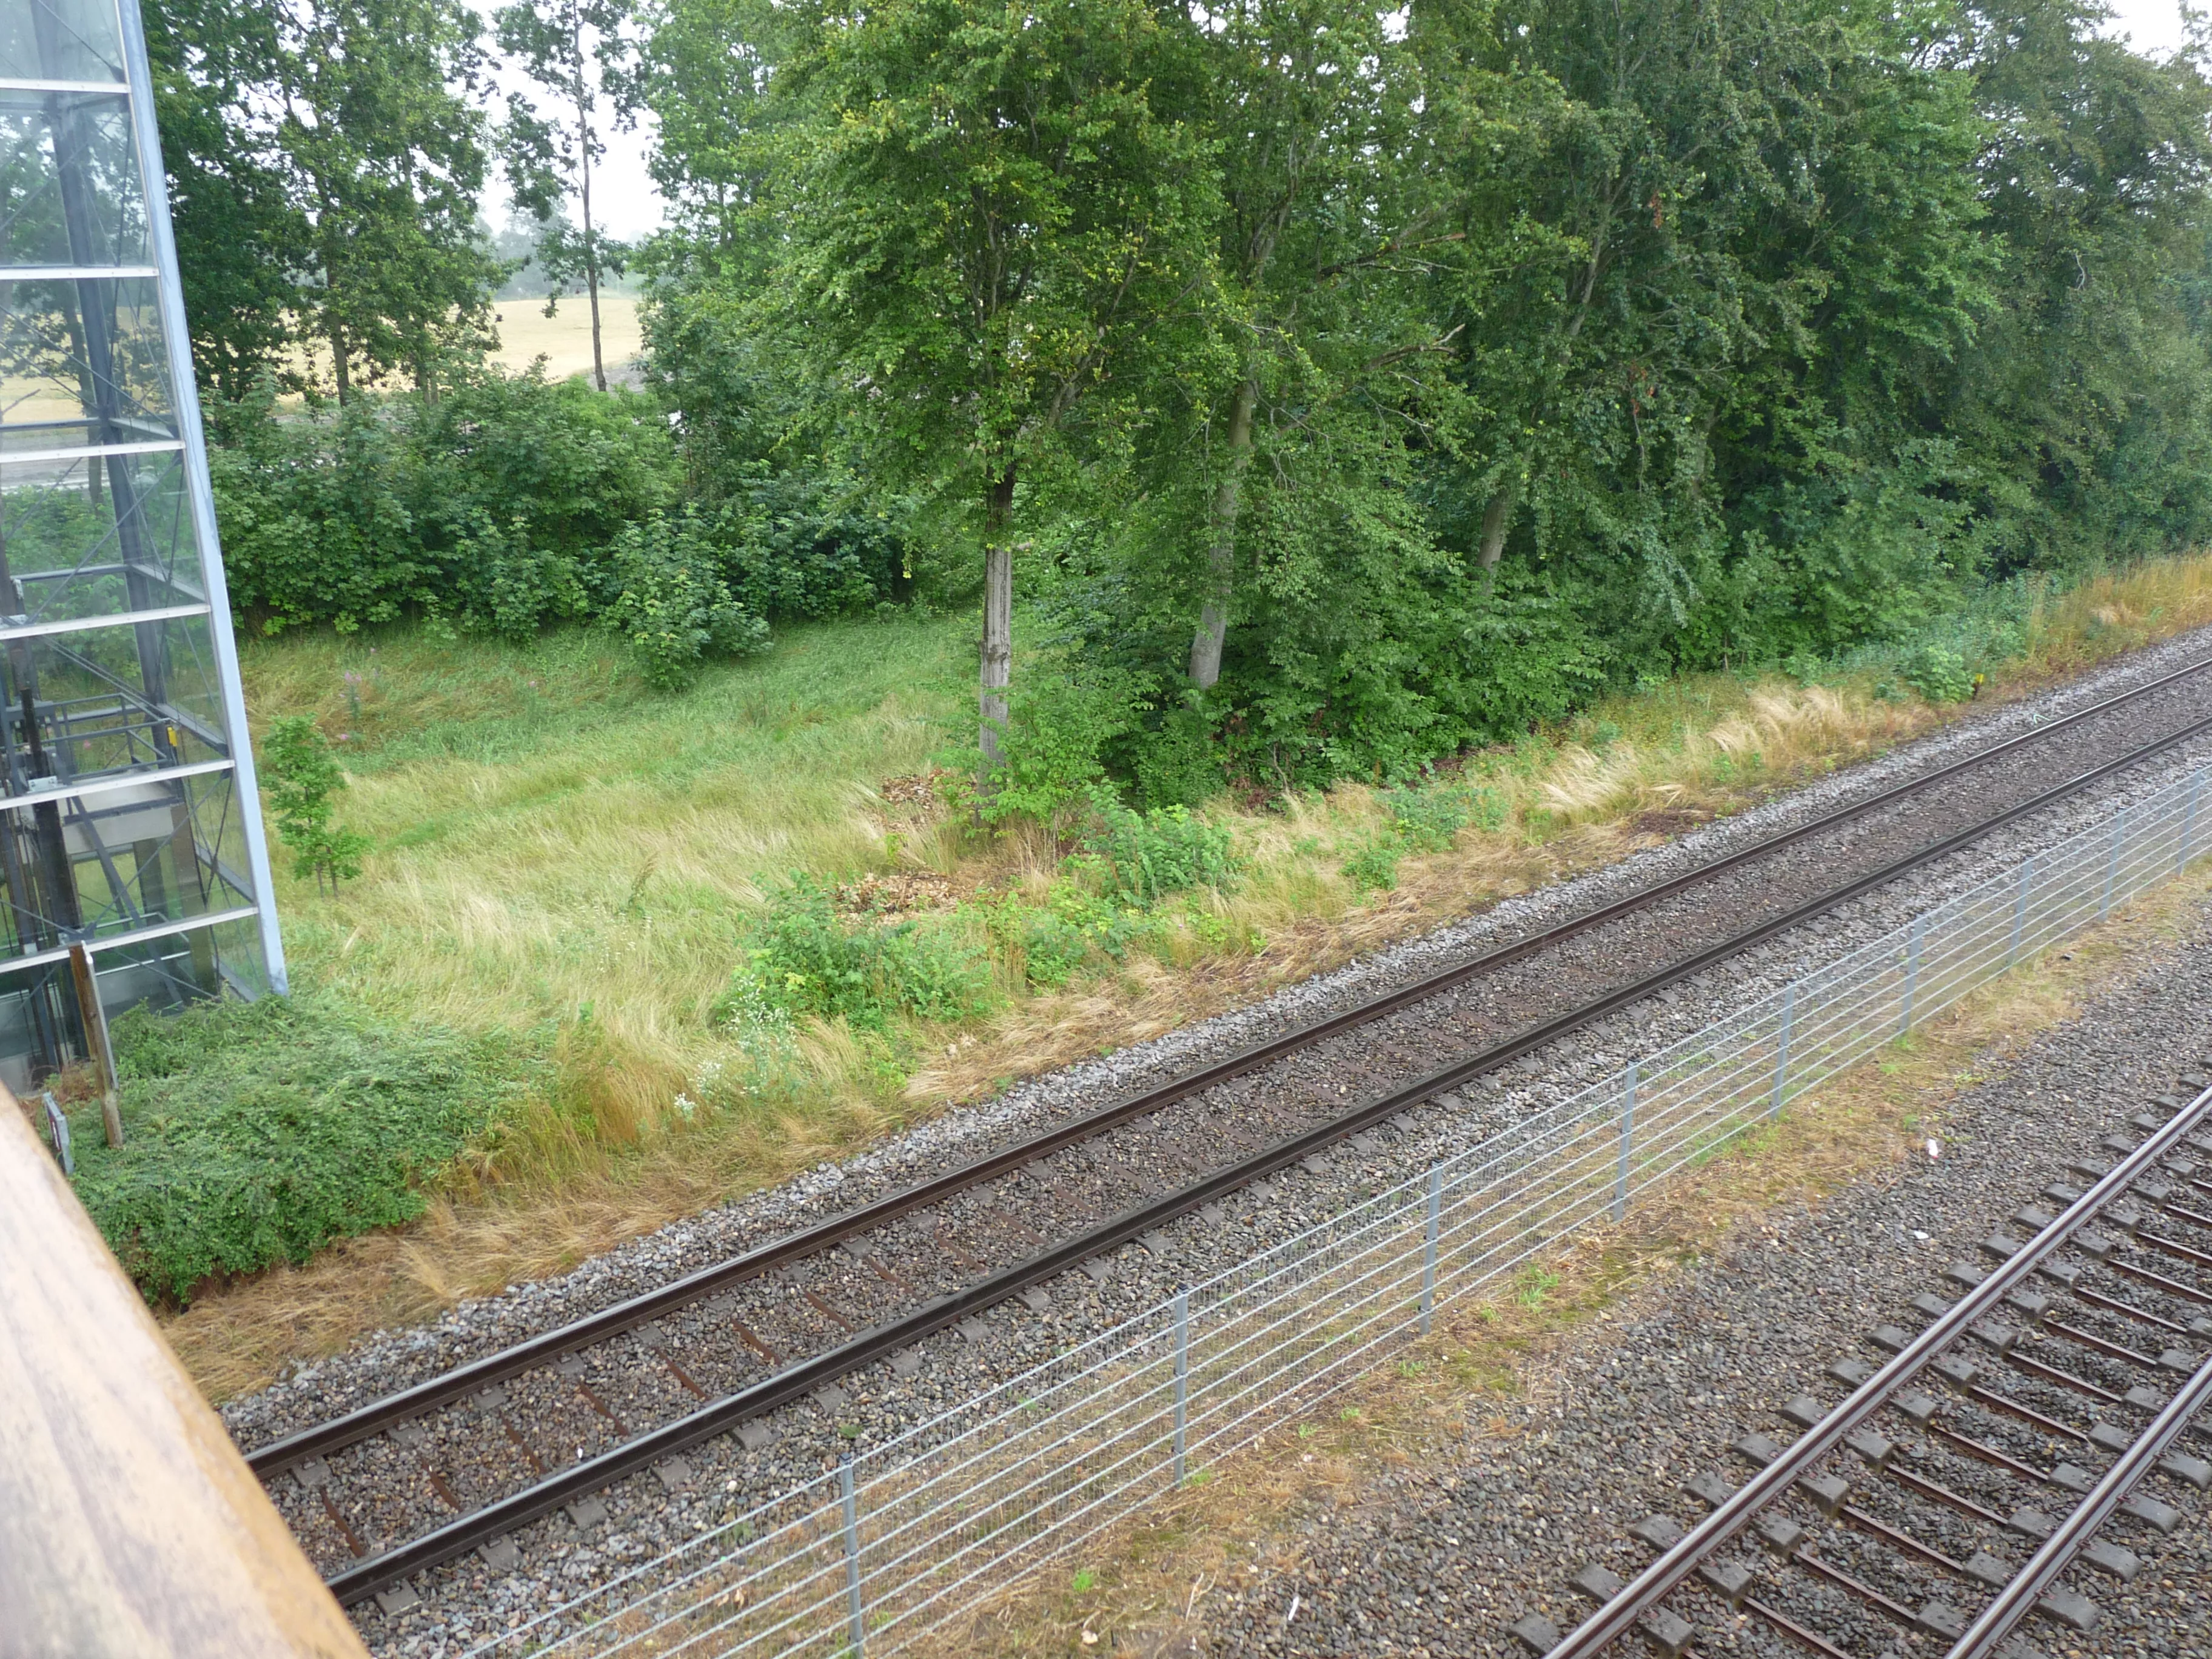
column 329, row 155
column 1447, row 369
column 1076, row 928
column 672, row 604
column 1427, row 820
column 803, row 957
column 299, row 776
column 257, row 1133
column 1054, row 753
column 1373, row 865
column 1937, row 673
column 495, row 507
column 1137, row 858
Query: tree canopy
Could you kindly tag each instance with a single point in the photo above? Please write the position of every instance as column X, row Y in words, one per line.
column 1336, row 385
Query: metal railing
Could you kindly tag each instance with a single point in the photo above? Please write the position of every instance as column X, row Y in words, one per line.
column 896, row 1540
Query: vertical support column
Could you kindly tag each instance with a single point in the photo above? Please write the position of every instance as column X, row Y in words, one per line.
column 1181, row 1381
column 1429, row 1247
column 1911, row 973
column 97, row 1047
column 2189, row 821
column 855, row 1615
column 1627, row 1140
column 2020, row 910
column 2112, row 864
column 1782, row 1048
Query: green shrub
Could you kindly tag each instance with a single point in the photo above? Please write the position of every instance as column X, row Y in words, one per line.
column 1059, row 727
column 1427, row 820
column 805, row 957
column 1075, row 927
column 1373, row 865
column 300, row 775
column 1137, row 858
column 1938, row 673
column 671, row 603
column 494, row 505
column 258, row 1133
column 1053, row 948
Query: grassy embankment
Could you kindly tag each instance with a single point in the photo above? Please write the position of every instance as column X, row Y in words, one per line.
column 569, row 868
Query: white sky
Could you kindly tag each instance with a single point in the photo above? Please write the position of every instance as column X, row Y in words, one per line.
column 2154, row 26
column 623, row 201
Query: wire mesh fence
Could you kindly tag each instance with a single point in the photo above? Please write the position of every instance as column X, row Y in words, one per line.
column 895, row 1541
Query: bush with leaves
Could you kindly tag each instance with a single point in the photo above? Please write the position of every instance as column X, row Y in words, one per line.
column 1938, row 673
column 259, row 1132
column 802, row 957
column 1137, row 858
column 299, row 776
column 672, row 604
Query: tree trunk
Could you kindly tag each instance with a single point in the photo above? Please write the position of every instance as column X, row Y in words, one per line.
column 591, row 239
column 339, row 361
column 997, row 615
column 1496, row 519
column 1221, row 556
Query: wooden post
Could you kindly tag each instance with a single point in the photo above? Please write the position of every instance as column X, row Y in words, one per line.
column 98, row 1049
column 129, row 1526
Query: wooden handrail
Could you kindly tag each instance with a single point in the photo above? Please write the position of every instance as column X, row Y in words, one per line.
column 130, row 1526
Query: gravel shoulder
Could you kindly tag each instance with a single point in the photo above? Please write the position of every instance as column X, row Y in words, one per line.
column 1439, row 1557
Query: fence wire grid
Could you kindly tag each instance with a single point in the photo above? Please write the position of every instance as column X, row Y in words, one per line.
column 903, row 1537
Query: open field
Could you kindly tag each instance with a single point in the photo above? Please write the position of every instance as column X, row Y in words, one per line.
column 569, row 859
column 564, row 339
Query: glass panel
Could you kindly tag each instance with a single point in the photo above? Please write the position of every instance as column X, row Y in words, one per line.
column 119, row 860
column 238, row 957
column 68, row 554
column 61, row 40
column 86, row 540
column 84, row 359
column 69, row 181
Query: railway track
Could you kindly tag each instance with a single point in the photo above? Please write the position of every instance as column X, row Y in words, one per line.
column 1986, row 1473
column 483, row 1447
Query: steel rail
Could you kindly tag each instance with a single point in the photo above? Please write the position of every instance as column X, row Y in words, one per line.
column 1619, row 1615
column 321, row 1438
column 2020, row 1594
column 793, row 1382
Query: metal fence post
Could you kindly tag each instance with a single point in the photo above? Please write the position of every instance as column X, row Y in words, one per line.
column 1627, row 1139
column 2189, row 821
column 1429, row 1247
column 1182, row 1378
column 1911, row 973
column 2020, row 910
column 2112, row 864
column 1781, row 1048
column 855, row 1616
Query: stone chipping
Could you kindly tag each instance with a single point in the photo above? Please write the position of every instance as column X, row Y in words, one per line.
column 1442, row 1560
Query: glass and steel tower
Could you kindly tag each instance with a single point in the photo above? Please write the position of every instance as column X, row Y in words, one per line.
column 129, row 822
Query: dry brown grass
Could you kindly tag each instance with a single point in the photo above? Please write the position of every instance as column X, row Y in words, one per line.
column 1153, row 1584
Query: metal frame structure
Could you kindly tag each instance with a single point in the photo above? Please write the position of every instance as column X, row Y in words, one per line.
column 129, row 819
